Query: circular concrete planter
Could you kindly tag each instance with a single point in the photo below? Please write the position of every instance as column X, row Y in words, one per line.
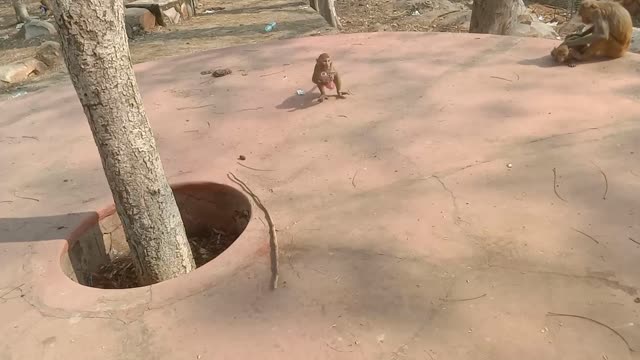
column 213, row 214
column 66, row 285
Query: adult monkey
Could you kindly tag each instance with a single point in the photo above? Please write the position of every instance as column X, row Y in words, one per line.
column 610, row 31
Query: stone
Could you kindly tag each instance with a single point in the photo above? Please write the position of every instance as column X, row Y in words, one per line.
column 536, row 29
column 635, row 41
column 50, row 53
column 186, row 11
column 526, row 19
column 138, row 20
column 572, row 26
column 37, row 28
column 20, row 71
column 158, row 9
column 172, row 15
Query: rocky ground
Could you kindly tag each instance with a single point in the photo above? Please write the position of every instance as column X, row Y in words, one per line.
column 217, row 24
column 430, row 15
column 224, row 23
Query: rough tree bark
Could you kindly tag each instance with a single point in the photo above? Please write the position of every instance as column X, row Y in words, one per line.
column 498, row 17
column 96, row 52
column 326, row 8
column 22, row 14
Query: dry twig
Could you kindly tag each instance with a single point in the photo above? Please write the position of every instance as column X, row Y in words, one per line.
column 250, row 168
column 26, row 197
column 464, row 299
column 587, row 235
column 606, row 182
column 596, row 322
column 272, row 228
column 338, row 350
column 555, row 185
column 501, row 78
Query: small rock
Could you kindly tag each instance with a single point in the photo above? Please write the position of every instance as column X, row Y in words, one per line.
column 37, row 28
column 172, row 15
column 637, row 300
column 49, row 53
column 242, row 158
column 137, row 20
column 509, row 165
column 635, row 41
column 221, row 72
column 19, row 93
column 537, row 29
column 20, row 71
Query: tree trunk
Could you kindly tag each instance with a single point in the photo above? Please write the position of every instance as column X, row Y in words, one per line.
column 499, row 17
column 326, row 8
column 22, row 14
column 96, row 51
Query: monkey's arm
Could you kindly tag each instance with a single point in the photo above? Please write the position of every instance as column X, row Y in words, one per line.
column 338, row 82
column 599, row 31
column 578, row 34
column 316, row 75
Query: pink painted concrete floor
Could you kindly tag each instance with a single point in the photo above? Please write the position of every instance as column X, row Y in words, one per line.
column 417, row 219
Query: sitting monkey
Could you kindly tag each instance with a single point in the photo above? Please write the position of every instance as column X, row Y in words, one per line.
column 325, row 75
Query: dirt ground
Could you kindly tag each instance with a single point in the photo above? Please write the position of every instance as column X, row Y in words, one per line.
column 242, row 22
column 421, row 15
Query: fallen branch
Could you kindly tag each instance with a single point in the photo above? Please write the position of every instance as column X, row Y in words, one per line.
column 596, row 322
column 250, row 168
column 272, row 228
column 635, row 241
column 555, row 185
column 353, row 179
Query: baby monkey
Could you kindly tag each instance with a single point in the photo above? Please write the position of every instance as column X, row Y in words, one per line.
column 325, row 75
column 563, row 54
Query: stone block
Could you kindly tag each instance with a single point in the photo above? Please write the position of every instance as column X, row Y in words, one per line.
column 20, row 71
column 50, row 53
column 37, row 28
column 137, row 20
column 165, row 11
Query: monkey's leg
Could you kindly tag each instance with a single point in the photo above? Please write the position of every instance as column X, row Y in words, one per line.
column 613, row 50
column 338, row 82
